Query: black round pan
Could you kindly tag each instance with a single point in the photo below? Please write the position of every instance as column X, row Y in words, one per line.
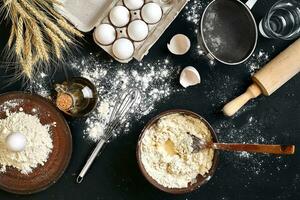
column 228, row 31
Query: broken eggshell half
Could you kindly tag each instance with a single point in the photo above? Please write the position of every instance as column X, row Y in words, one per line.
column 189, row 77
column 179, row 44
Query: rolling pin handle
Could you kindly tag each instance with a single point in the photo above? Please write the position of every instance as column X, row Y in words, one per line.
column 233, row 106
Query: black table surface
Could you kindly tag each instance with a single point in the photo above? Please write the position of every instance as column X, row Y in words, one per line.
column 115, row 174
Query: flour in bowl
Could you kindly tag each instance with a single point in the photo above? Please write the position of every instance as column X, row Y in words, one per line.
column 166, row 151
column 39, row 142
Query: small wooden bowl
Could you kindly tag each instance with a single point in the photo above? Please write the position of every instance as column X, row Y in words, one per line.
column 200, row 180
column 44, row 176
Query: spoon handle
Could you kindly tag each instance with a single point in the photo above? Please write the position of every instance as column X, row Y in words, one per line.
column 256, row 148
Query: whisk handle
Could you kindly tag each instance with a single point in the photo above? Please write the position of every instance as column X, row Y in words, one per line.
column 90, row 161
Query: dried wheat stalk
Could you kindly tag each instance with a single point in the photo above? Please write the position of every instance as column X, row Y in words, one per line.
column 37, row 32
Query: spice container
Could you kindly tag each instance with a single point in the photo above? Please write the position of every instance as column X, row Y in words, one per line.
column 125, row 29
column 76, row 97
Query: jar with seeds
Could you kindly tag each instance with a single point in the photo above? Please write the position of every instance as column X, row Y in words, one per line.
column 76, row 97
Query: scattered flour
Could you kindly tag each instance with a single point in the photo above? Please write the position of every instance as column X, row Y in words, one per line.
column 219, row 88
column 193, row 11
column 38, row 147
column 257, row 60
column 248, row 132
column 111, row 79
column 156, row 81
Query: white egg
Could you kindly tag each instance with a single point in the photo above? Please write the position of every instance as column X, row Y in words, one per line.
column 105, row 34
column 16, row 142
column 134, row 4
column 123, row 48
column 119, row 16
column 137, row 30
column 151, row 13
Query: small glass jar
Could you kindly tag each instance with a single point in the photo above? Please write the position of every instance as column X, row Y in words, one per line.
column 282, row 21
column 76, row 97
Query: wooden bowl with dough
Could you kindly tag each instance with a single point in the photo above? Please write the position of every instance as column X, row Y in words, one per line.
column 200, row 180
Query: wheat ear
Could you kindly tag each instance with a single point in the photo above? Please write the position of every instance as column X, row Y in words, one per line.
column 54, row 2
column 19, row 37
column 43, row 18
column 13, row 15
column 57, row 43
column 37, row 29
column 12, row 35
column 38, row 42
column 7, row 3
column 60, row 20
column 21, row 11
column 64, row 24
column 27, row 64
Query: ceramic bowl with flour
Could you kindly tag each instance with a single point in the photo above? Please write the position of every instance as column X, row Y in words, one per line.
column 48, row 146
column 165, row 153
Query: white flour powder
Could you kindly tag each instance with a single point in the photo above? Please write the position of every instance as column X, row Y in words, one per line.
column 38, row 147
column 166, row 151
column 156, row 81
column 257, row 61
column 193, row 11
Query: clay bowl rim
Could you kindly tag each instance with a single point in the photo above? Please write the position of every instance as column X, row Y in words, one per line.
column 68, row 159
column 200, row 179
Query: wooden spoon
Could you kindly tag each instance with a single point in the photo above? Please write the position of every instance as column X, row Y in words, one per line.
column 199, row 144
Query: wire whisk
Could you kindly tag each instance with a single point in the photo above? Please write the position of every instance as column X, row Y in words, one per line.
column 120, row 111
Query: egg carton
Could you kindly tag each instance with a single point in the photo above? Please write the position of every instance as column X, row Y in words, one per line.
column 86, row 15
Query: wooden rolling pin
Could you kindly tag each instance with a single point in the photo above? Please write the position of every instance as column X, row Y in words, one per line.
column 271, row 77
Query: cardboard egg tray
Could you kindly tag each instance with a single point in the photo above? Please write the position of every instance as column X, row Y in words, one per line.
column 85, row 15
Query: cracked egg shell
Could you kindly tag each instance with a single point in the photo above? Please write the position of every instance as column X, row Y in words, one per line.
column 179, row 44
column 189, row 77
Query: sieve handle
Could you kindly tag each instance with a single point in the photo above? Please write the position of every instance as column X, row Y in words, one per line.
column 251, row 3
